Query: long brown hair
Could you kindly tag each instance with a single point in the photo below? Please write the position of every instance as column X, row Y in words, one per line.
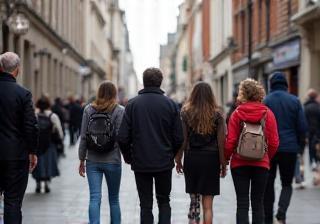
column 106, row 99
column 200, row 109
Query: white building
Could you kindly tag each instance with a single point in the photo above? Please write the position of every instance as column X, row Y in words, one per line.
column 221, row 33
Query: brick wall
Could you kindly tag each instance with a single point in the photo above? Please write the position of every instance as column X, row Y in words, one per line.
column 279, row 23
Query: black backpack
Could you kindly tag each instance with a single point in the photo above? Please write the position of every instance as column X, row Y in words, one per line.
column 101, row 133
column 45, row 132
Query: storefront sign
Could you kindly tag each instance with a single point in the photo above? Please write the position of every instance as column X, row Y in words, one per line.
column 287, row 55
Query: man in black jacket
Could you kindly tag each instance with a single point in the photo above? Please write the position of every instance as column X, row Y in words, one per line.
column 312, row 112
column 18, row 138
column 150, row 135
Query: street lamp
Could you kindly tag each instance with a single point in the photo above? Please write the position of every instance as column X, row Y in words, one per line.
column 17, row 22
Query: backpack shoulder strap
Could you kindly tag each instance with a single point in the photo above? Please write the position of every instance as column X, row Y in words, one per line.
column 263, row 120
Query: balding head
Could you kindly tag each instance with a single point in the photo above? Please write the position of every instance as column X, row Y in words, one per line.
column 10, row 63
column 312, row 94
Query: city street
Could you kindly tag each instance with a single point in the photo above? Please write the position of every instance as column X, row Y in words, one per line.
column 68, row 201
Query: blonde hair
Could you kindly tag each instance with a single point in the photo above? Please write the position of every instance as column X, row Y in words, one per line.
column 106, row 99
column 251, row 90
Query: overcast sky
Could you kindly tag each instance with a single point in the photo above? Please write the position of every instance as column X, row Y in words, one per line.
column 149, row 21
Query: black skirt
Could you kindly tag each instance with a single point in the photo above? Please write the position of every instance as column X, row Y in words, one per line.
column 202, row 172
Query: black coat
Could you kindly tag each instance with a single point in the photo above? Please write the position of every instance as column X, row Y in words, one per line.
column 76, row 112
column 18, row 123
column 312, row 112
column 151, row 131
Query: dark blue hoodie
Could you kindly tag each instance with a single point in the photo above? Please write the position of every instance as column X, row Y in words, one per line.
column 292, row 126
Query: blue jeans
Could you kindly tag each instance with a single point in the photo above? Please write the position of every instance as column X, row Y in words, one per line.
column 112, row 173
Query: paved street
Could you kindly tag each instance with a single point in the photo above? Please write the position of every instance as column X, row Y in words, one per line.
column 68, row 202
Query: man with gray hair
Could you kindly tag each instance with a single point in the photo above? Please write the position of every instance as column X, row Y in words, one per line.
column 18, row 137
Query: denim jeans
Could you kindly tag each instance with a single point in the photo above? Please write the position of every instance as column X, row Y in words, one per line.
column 287, row 164
column 250, row 179
column 144, row 183
column 112, row 173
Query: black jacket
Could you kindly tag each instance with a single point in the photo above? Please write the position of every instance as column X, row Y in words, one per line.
column 312, row 112
column 151, row 131
column 76, row 113
column 18, row 123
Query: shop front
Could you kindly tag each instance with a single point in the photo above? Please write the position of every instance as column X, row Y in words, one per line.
column 286, row 58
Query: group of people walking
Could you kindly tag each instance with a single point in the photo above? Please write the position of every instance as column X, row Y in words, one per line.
column 154, row 135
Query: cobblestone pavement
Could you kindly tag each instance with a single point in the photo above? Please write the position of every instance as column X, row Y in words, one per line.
column 68, row 201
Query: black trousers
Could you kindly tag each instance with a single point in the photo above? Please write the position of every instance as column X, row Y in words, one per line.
column 286, row 163
column 244, row 178
column 313, row 138
column 74, row 134
column 13, row 184
column 163, row 181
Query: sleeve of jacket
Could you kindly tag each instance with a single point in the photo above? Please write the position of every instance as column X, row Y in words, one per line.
column 302, row 122
column 30, row 124
column 57, row 125
column 232, row 136
column 83, row 138
column 272, row 134
column 124, row 137
column 177, row 138
column 118, row 119
column 302, row 127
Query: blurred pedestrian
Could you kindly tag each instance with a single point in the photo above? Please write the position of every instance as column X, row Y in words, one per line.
column 232, row 105
column 203, row 150
column 252, row 141
column 98, row 158
column 49, row 126
column 292, row 130
column 18, row 138
column 59, row 110
column 312, row 113
column 150, row 136
column 75, row 119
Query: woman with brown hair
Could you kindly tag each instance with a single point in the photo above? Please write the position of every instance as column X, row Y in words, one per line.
column 203, row 149
column 99, row 152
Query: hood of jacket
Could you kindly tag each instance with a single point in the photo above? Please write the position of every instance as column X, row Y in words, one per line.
column 251, row 111
column 310, row 101
column 278, row 82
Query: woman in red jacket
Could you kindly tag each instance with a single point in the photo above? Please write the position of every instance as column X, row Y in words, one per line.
column 250, row 174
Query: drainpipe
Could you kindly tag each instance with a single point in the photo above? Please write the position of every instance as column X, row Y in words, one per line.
column 250, row 37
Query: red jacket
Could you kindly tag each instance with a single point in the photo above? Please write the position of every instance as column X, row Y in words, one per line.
column 251, row 112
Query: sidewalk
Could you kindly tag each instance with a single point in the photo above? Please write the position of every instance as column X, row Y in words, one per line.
column 68, row 201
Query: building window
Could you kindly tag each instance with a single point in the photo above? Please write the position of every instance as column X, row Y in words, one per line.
column 289, row 14
column 268, row 20
column 260, row 21
column 243, row 31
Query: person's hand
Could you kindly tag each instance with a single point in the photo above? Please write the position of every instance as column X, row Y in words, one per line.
column 223, row 170
column 82, row 169
column 33, row 161
column 179, row 167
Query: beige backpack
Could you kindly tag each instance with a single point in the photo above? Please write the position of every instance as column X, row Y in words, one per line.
column 252, row 143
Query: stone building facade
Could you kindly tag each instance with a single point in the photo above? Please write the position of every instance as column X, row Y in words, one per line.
column 69, row 47
column 220, row 50
column 308, row 20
